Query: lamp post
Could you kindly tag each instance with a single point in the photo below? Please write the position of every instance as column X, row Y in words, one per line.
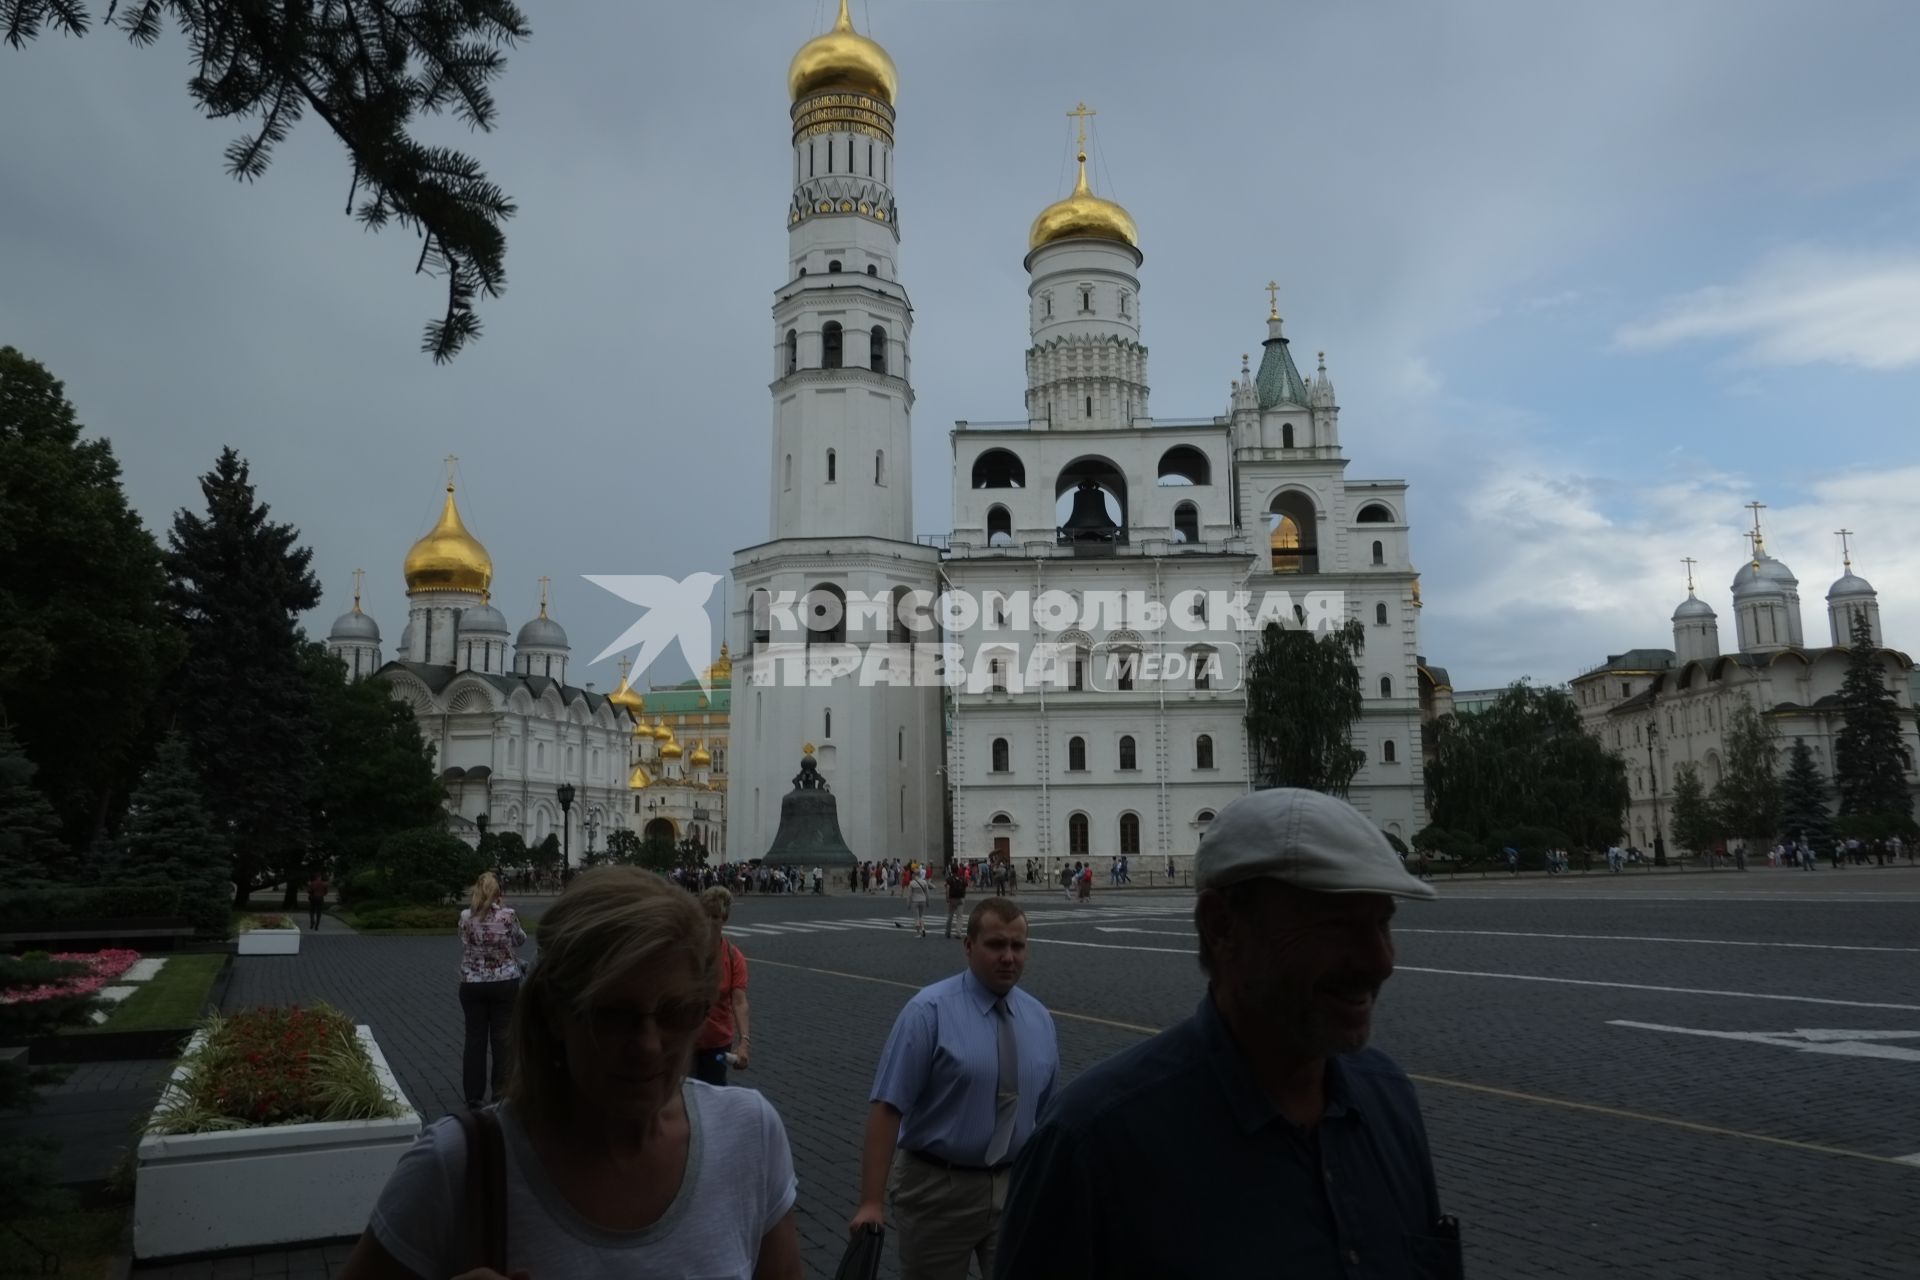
column 480, row 821
column 565, row 794
column 593, row 826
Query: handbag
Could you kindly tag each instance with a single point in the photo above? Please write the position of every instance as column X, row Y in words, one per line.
column 486, row 1191
column 861, row 1261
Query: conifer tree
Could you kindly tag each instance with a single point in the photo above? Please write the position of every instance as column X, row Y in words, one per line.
column 369, row 71
column 1803, row 799
column 32, row 853
column 1870, row 757
column 1695, row 824
column 237, row 585
column 170, row 840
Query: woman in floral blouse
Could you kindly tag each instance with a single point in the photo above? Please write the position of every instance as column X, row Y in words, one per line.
column 490, row 934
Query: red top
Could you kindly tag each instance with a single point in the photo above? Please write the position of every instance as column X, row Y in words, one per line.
column 718, row 1033
column 317, row 887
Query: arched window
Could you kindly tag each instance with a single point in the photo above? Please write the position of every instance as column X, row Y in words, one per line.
column 1202, row 660
column 1129, row 834
column 1186, row 523
column 832, row 467
column 1375, row 513
column 877, row 349
column 1379, row 553
column 826, row 615
column 900, row 747
column 1124, row 662
column 999, row 469
column 830, row 345
column 1386, row 686
column 786, row 475
column 762, row 610
column 826, row 727
column 1387, row 751
column 1077, row 842
column 879, row 466
column 1203, row 752
column 1076, row 755
column 999, row 526
column 997, row 674
column 1203, row 817
column 1184, row 465
column 793, row 350
column 1380, row 615
column 1286, row 435
column 1128, row 758
column 833, row 268
column 1002, row 756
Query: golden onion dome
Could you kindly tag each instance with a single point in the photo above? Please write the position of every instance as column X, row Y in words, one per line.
column 639, row 779
column 701, row 757
column 660, row 731
column 448, row 558
column 628, row 699
column 1083, row 215
column 721, row 670
column 842, row 59
column 671, row 751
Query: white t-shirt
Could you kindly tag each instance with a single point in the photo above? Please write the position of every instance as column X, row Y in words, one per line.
column 739, row 1183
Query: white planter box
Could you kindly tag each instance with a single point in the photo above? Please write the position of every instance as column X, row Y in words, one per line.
column 253, row 1188
column 271, row 942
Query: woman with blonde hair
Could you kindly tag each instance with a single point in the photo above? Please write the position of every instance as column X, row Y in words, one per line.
column 609, row 1159
column 490, row 934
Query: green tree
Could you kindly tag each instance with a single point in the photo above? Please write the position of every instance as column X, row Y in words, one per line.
column 1695, row 824
column 170, row 840
column 31, row 850
column 1749, row 792
column 545, row 856
column 507, row 849
column 369, row 70
column 428, row 865
column 624, row 846
column 1870, row 756
column 1303, row 697
column 1525, row 768
column 84, row 640
column 1803, row 799
column 373, row 775
column 237, row 585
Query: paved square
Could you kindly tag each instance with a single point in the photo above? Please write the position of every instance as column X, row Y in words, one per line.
column 1658, row 1076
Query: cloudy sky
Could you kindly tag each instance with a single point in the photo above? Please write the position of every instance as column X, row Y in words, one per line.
column 1589, row 277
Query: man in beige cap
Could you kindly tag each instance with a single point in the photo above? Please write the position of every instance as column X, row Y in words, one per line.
column 1262, row 1127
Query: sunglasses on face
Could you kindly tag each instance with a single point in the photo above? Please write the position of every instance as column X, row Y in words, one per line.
column 671, row 1016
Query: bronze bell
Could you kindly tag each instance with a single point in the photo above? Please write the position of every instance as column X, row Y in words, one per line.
column 1090, row 521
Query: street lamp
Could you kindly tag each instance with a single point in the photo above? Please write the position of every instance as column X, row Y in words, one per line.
column 566, row 827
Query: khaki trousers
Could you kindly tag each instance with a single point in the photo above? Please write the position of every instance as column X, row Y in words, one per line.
column 945, row 1218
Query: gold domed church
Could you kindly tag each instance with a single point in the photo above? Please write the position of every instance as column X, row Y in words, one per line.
column 1121, row 565
column 508, row 729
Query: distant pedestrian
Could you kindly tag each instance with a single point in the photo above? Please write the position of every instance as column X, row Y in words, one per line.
column 490, row 935
column 1261, row 1136
column 956, row 896
column 723, row 1041
column 970, row 1064
column 316, row 898
column 917, row 894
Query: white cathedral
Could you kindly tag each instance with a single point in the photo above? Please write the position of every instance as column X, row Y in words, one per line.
column 1121, row 520
column 1657, row 708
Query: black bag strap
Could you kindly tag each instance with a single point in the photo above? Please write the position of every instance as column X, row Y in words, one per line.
column 486, row 1207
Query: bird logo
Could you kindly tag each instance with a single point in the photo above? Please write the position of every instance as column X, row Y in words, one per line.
column 676, row 611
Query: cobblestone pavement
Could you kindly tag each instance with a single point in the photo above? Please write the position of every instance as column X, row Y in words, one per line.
column 1569, row 1143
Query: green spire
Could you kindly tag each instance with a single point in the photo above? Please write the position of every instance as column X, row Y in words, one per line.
column 1279, row 381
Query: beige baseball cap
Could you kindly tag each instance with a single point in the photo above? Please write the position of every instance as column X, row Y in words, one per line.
column 1308, row 839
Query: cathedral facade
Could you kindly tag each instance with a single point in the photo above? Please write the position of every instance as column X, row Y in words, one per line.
column 1659, row 708
column 1107, row 572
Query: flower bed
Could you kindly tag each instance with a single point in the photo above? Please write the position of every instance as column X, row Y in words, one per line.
column 102, row 968
column 279, row 1126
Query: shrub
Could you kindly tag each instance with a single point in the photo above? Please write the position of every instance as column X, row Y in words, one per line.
column 427, row 865
column 272, row 1067
column 402, row 916
column 117, row 902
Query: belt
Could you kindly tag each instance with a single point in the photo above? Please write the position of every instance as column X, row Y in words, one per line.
column 928, row 1157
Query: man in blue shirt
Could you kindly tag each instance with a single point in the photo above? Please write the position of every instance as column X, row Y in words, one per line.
column 971, row 1061
column 1260, row 1136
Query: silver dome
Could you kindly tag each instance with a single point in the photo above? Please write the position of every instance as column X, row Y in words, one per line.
column 1693, row 607
column 1769, row 577
column 542, row 633
column 1850, row 586
column 355, row 625
column 485, row 620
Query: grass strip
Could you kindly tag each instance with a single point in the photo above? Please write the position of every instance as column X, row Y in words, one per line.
column 171, row 998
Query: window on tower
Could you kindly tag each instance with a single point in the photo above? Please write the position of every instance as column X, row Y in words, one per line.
column 1128, row 757
column 877, row 349
column 830, row 345
column 1086, row 300
column 1379, row 553
column 869, row 159
column 879, row 466
column 1076, row 755
column 1286, row 435
column 831, row 467
column 1380, row 615
column 1386, row 686
column 833, row 267
column 999, row 526
column 793, row 350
